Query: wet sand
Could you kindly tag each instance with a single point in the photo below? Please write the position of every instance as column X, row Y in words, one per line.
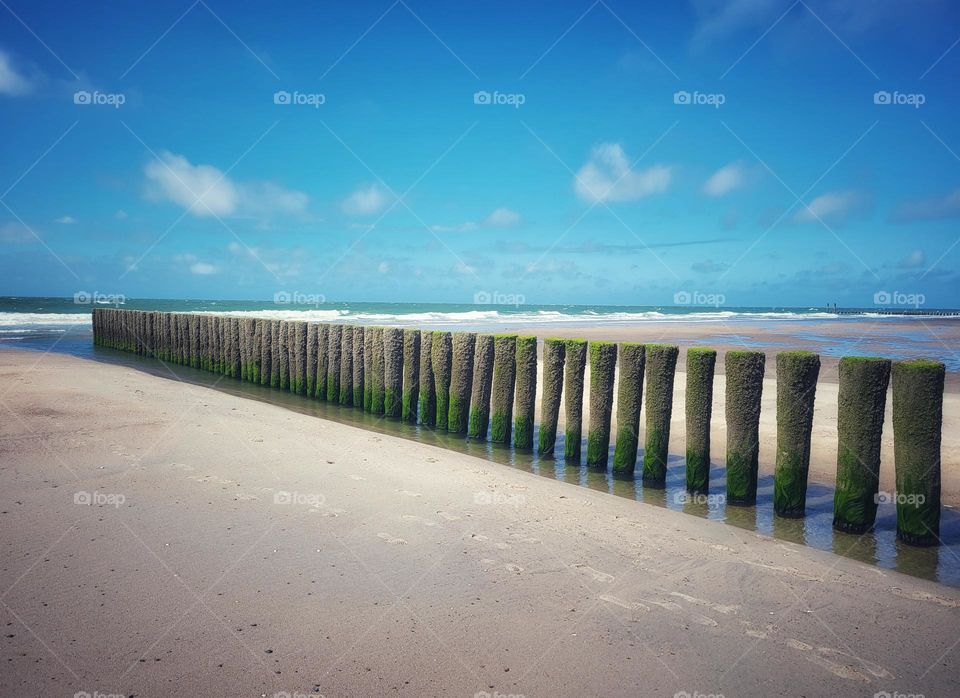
column 238, row 548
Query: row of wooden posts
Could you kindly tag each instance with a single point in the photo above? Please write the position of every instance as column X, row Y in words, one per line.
column 484, row 385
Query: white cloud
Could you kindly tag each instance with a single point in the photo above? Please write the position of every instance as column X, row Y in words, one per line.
column 120, row 215
column 503, row 218
column 383, row 267
column 459, row 228
column 607, row 176
column 66, row 220
column 12, row 82
column 206, row 191
column 725, row 180
column 915, row 260
column 15, row 232
column 202, row 268
column 947, row 206
column 836, row 206
column 366, row 201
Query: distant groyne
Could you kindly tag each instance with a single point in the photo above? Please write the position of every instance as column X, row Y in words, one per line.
column 484, row 386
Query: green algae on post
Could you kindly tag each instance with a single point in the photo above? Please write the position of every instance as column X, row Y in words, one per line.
column 284, row 352
column 554, row 353
column 334, row 337
column 323, row 361
column 797, row 373
column 442, row 349
column 392, row 372
column 411, row 375
column 744, row 388
column 368, row 369
column 701, row 364
column 480, row 390
column 861, row 404
column 311, row 368
column 461, row 382
column 275, row 353
column 526, row 392
column 358, row 366
column 428, row 391
column 298, row 364
column 266, row 343
column 379, row 359
column 603, row 362
column 629, row 402
column 504, row 378
column 256, row 350
column 233, row 358
column 576, row 362
column 346, row 366
column 917, row 424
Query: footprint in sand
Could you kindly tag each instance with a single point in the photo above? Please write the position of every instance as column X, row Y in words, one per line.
column 353, row 476
column 517, row 569
column 392, row 540
column 478, row 537
column 844, row 669
column 629, row 605
column 408, row 493
column 502, row 546
column 448, row 516
column 419, row 519
column 597, row 575
column 521, row 538
column 719, row 608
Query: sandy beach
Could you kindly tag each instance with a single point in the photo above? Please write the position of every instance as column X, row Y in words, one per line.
column 159, row 534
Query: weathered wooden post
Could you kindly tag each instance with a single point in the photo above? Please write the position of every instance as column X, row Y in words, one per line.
column 504, row 379
column 744, row 388
column 334, row 344
column 428, row 391
column 797, row 373
column 378, row 365
column 603, row 362
column 554, row 352
column 368, row 369
column 311, row 367
column 629, row 402
column 701, row 364
column 275, row 353
column 917, row 424
column 392, row 372
column 442, row 349
column 461, row 382
column 480, row 390
column 661, row 360
column 346, row 366
column 861, row 405
column 576, row 362
column 358, row 366
column 411, row 375
column 323, row 361
column 526, row 399
column 234, row 358
column 284, row 351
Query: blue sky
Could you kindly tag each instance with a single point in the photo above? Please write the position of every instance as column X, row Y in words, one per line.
column 616, row 153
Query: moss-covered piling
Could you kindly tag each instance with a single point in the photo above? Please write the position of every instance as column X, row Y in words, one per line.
column 504, row 379
column 358, row 366
column 442, row 349
column 392, row 372
column 233, row 356
column 428, row 391
column 480, row 390
column 629, row 402
column 275, row 353
column 526, row 393
column 861, row 405
column 701, row 365
column 334, row 348
column 367, row 369
column 917, row 424
column 576, row 363
column 346, row 366
column 311, row 367
column 554, row 354
column 797, row 373
column 603, row 363
column 323, row 361
column 461, row 382
column 744, row 388
column 378, row 393
column 411, row 376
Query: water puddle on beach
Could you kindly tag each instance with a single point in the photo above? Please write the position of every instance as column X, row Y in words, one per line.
column 879, row 547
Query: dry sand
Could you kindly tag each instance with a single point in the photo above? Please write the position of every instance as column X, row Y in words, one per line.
column 397, row 569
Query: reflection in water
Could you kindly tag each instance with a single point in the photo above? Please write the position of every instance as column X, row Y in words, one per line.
column 879, row 547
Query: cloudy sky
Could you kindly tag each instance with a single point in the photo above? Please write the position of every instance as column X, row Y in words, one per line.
column 777, row 152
